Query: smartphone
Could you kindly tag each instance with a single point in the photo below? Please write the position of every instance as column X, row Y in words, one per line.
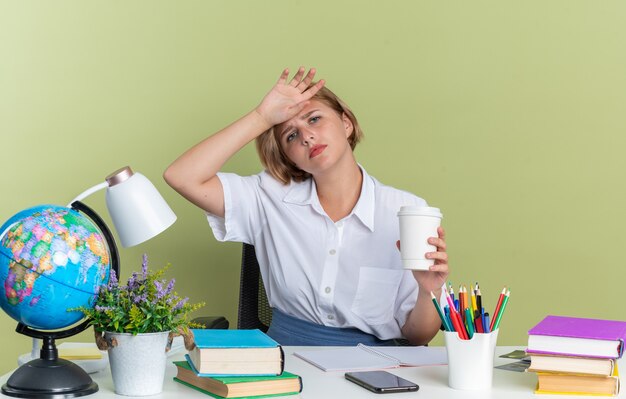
column 381, row 381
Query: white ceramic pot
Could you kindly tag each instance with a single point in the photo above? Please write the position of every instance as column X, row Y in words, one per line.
column 137, row 362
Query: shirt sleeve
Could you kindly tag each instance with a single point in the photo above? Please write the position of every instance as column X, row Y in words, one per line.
column 242, row 210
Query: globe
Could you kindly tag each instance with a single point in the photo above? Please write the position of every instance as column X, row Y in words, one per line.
column 52, row 258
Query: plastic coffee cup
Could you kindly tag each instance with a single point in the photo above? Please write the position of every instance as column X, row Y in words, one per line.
column 417, row 225
column 470, row 362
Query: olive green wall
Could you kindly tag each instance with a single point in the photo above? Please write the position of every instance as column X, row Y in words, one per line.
column 509, row 116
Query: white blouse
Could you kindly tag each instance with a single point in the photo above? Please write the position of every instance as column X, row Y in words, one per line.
column 343, row 274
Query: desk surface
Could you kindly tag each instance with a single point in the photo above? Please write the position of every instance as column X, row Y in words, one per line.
column 433, row 382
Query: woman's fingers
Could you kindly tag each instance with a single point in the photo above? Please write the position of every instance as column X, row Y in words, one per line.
column 440, row 256
column 283, row 76
column 438, row 242
column 313, row 89
column 307, row 80
column 441, row 267
column 297, row 78
column 302, row 81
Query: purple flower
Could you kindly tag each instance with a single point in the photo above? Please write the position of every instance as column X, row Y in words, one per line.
column 161, row 291
column 180, row 304
column 132, row 281
column 103, row 308
column 144, row 265
column 170, row 286
column 112, row 279
column 140, row 298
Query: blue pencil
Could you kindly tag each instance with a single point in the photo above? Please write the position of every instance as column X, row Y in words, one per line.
column 487, row 330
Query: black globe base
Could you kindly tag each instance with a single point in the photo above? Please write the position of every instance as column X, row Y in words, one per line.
column 49, row 379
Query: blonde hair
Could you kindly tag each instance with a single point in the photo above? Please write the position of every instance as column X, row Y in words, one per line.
column 272, row 155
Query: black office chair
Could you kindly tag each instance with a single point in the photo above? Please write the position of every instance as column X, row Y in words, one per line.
column 254, row 309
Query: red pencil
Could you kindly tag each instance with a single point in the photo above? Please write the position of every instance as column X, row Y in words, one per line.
column 462, row 302
column 478, row 322
column 500, row 299
column 458, row 324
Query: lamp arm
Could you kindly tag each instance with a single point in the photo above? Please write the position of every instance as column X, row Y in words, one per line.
column 88, row 192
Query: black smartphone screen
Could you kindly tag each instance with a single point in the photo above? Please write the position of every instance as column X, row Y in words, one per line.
column 381, row 381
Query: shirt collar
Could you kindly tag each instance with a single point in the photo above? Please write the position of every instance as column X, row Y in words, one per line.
column 305, row 193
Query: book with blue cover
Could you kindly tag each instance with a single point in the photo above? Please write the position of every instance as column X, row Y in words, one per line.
column 232, row 339
column 235, row 352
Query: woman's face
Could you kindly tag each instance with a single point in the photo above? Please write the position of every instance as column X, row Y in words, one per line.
column 315, row 139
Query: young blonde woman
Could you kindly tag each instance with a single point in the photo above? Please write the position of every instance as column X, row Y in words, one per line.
column 325, row 232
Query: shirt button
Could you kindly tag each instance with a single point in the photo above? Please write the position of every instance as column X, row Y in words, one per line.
column 330, row 317
column 327, row 290
column 332, row 252
column 340, row 224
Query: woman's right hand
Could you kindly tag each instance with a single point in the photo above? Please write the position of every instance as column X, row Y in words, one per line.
column 286, row 99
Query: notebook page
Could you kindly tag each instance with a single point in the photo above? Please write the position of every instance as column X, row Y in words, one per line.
column 347, row 359
column 414, row 355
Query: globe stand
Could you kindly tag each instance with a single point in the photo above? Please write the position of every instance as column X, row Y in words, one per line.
column 50, row 377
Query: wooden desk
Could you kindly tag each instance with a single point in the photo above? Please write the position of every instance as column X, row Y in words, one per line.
column 433, row 382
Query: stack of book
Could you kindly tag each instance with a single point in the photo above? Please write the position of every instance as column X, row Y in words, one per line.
column 235, row 364
column 576, row 356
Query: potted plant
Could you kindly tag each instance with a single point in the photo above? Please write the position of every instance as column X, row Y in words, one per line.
column 136, row 323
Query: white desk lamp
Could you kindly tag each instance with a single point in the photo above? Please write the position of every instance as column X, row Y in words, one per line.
column 137, row 209
column 138, row 213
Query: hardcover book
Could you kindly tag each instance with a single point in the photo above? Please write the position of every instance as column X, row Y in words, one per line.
column 571, row 364
column 238, row 387
column 572, row 384
column 578, row 337
column 235, row 352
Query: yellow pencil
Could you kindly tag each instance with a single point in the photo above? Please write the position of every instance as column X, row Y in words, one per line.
column 474, row 306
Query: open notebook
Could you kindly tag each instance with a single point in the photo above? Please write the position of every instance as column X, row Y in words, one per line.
column 363, row 357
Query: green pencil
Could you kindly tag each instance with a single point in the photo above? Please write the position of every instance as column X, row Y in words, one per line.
column 499, row 316
column 469, row 322
column 441, row 315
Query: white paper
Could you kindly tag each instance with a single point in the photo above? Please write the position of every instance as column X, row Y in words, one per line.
column 363, row 357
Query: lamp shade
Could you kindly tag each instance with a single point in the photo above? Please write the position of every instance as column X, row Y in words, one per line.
column 137, row 209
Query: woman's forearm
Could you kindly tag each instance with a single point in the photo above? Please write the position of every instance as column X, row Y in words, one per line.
column 423, row 321
column 193, row 174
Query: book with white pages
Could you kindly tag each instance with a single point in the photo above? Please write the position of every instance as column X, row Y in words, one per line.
column 363, row 357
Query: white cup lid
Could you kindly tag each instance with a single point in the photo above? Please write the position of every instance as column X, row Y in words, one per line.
column 413, row 210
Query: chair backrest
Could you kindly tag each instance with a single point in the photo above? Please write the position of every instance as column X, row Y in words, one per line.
column 254, row 309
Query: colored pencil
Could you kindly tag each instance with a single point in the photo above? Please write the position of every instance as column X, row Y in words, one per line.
column 450, row 300
column 470, row 322
column 474, row 305
column 459, row 326
column 439, row 312
column 479, row 300
column 487, row 328
column 455, row 318
column 495, row 313
column 501, row 312
column 478, row 324
column 446, row 311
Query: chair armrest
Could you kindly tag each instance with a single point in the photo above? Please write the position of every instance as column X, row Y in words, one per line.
column 212, row 322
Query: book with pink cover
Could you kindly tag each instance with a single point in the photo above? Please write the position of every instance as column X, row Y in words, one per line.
column 576, row 336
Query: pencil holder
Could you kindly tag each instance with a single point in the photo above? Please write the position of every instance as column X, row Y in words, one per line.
column 470, row 362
